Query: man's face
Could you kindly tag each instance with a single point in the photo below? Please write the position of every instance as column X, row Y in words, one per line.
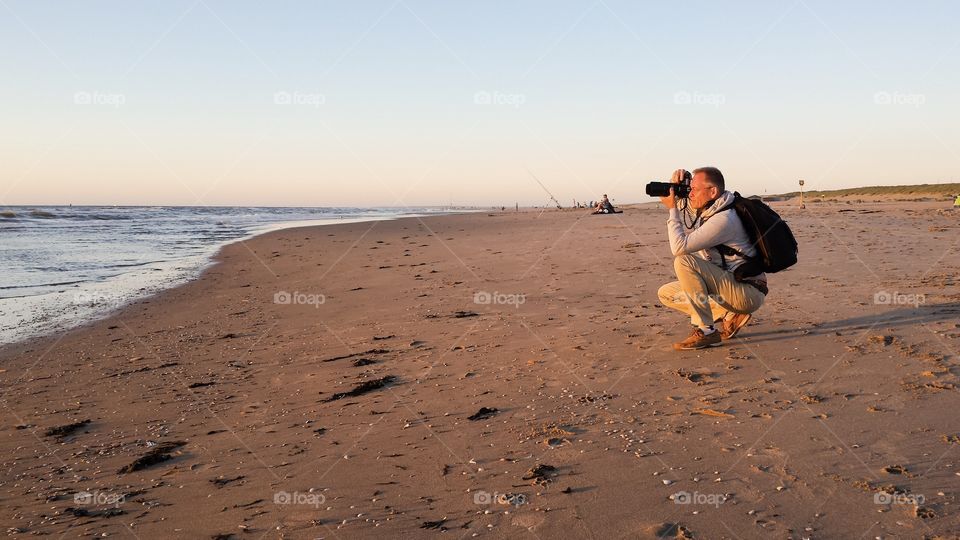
column 701, row 193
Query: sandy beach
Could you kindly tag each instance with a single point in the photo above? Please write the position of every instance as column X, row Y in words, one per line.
column 503, row 375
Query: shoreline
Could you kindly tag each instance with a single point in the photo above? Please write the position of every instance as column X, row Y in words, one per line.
column 181, row 271
column 416, row 392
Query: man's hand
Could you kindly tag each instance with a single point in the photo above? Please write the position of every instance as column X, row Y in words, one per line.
column 678, row 176
column 671, row 201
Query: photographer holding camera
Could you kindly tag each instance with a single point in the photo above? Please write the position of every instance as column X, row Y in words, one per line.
column 706, row 258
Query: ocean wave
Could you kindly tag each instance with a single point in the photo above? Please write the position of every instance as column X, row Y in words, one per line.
column 132, row 265
column 102, row 217
column 95, row 217
column 38, row 285
column 67, row 214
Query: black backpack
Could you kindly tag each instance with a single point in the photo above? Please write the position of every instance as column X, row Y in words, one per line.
column 769, row 234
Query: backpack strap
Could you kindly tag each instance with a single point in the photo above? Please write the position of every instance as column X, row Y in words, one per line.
column 724, row 249
column 725, row 208
column 736, row 197
column 731, row 251
column 727, row 251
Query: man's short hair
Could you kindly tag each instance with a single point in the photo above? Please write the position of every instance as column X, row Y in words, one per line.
column 713, row 176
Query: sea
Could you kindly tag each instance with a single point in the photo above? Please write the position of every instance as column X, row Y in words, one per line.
column 63, row 266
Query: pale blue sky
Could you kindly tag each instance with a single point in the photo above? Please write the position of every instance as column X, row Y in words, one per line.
column 427, row 102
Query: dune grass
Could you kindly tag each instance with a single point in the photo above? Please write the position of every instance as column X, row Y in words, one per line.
column 918, row 190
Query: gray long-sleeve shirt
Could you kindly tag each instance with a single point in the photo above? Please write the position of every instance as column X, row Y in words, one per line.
column 711, row 229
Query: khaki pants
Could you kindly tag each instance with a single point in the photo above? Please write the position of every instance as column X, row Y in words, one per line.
column 707, row 292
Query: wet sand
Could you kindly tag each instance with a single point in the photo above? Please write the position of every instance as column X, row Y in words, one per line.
column 503, row 375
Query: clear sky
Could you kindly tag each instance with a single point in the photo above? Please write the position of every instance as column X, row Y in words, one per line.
column 416, row 102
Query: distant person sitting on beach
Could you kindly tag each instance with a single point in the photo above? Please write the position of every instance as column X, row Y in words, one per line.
column 956, row 203
column 706, row 289
column 604, row 206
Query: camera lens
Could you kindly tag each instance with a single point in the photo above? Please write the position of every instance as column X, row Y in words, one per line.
column 662, row 189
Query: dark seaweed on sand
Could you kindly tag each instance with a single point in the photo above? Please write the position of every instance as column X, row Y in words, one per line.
column 157, row 454
column 65, row 430
column 83, row 512
column 434, row 525
column 221, row 481
column 354, row 355
column 364, row 387
column 483, row 413
column 363, row 362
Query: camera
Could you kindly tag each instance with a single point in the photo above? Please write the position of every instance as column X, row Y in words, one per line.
column 662, row 189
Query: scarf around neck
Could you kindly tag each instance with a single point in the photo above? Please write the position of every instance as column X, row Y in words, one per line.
column 719, row 203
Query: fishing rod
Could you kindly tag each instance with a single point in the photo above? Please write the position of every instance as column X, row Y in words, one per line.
column 554, row 199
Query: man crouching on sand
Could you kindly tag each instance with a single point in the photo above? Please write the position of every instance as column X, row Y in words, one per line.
column 706, row 291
